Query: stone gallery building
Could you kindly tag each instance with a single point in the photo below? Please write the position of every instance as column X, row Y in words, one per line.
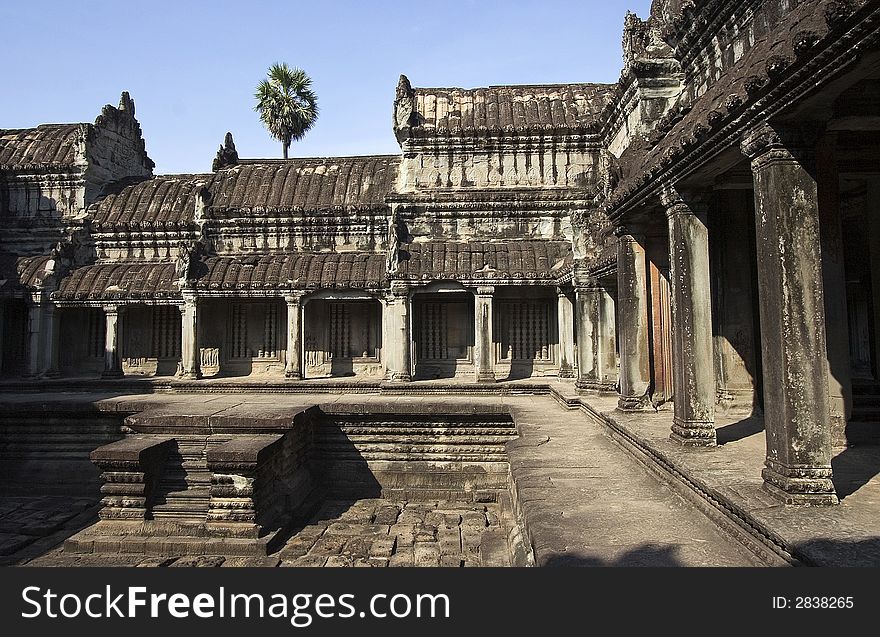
column 697, row 237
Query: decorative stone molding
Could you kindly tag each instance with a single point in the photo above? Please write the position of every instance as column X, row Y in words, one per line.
column 246, row 476
column 769, row 143
column 131, row 470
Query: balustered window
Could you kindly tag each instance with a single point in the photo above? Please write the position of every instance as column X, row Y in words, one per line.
column 254, row 331
column 525, row 330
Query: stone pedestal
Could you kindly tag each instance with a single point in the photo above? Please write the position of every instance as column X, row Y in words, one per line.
column 396, row 338
column 565, row 318
column 112, row 356
column 796, row 415
column 483, row 363
column 632, row 314
column 293, row 362
column 189, row 344
column 693, row 365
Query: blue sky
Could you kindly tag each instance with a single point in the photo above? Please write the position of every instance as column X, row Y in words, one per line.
column 192, row 67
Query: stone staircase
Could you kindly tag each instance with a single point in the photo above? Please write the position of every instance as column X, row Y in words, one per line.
column 184, row 490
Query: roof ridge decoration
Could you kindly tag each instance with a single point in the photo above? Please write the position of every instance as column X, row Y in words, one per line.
column 227, row 155
column 121, row 119
column 405, row 116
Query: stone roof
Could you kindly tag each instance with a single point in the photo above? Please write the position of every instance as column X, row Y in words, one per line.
column 522, row 109
column 301, row 270
column 790, row 43
column 107, row 281
column 252, row 186
column 310, row 184
column 156, row 201
column 487, row 260
column 46, row 146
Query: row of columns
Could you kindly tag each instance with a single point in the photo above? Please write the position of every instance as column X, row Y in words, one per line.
column 790, row 290
column 43, row 332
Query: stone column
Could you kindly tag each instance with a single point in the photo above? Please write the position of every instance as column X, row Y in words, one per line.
column 36, row 316
column 565, row 319
column 293, row 364
column 587, row 299
column 606, row 342
column 791, row 299
column 483, row 363
column 693, row 421
column 632, row 319
column 834, row 288
column 112, row 357
column 51, row 340
column 396, row 341
column 189, row 338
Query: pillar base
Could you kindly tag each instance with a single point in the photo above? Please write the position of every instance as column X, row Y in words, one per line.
column 112, row 373
column 52, row 373
column 633, row 403
column 694, row 434
column 799, row 485
column 397, row 377
column 190, row 375
column 292, row 375
column 486, row 377
column 566, row 371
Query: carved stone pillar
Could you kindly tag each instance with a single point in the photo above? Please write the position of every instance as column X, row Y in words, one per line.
column 51, row 340
column 632, row 318
column 293, row 363
column 36, row 336
column 483, row 363
column 796, row 415
column 565, row 319
column 692, row 354
column 596, row 351
column 112, row 356
column 189, row 339
column 834, row 289
column 396, row 341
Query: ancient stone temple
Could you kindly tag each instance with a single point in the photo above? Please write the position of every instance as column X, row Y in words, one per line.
column 701, row 237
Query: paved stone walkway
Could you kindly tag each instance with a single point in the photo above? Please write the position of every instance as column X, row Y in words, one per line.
column 386, row 533
column 584, row 499
column 587, row 502
column 847, row 534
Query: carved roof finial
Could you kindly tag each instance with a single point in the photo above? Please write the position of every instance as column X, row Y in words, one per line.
column 404, row 88
column 126, row 103
column 227, row 155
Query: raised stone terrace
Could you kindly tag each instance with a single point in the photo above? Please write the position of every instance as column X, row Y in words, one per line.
column 392, row 480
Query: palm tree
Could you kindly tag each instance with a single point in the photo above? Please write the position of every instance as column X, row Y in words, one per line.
column 286, row 103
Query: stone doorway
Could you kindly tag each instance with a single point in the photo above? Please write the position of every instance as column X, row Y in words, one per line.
column 443, row 334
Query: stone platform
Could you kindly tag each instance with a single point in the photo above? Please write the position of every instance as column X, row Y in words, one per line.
column 584, row 479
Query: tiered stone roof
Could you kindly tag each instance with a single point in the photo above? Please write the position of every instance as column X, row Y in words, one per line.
column 485, row 260
column 46, row 146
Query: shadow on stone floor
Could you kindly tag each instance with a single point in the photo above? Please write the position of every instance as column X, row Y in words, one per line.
column 854, row 467
column 649, row 554
column 746, row 427
column 827, row 552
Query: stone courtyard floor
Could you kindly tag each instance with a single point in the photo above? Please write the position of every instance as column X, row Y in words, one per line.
column 586, row 485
